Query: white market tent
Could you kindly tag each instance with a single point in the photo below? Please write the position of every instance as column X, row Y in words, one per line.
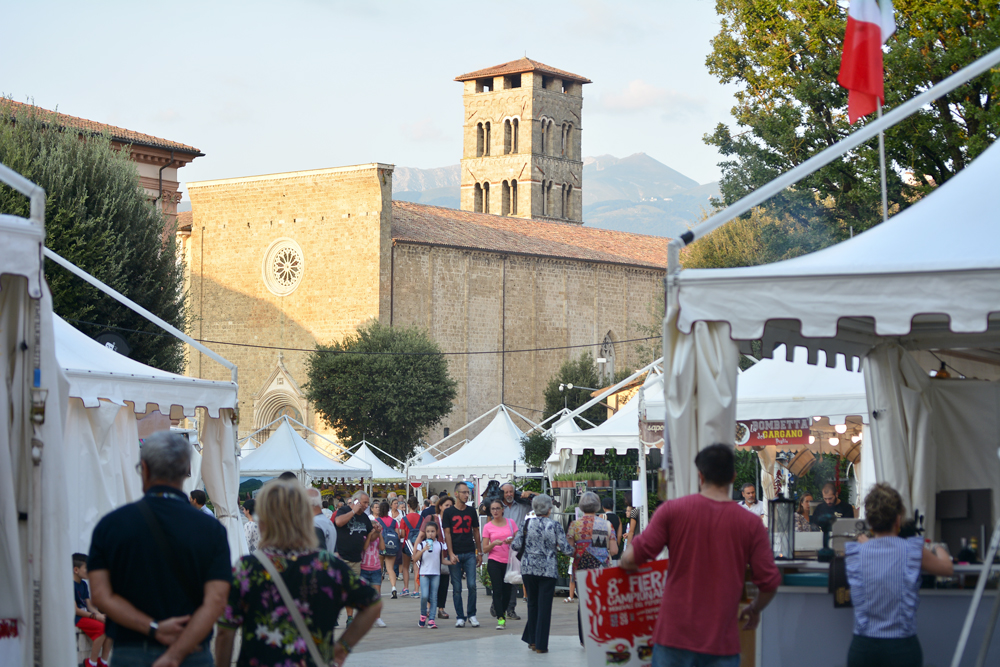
column 620, row 432
column 287, row 451
column 364, row 457
column 903, row 285
column 495, row 453
column 35, row 580
column 106, row 389
column 926, row 279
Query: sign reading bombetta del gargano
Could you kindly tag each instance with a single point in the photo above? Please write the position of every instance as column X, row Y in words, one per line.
column 761, row 432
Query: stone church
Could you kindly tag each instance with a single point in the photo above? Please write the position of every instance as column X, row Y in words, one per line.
column 296, row 259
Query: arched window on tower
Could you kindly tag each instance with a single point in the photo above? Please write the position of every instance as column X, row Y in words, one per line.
column 477, row 204
column 569, row 149
column 515, row 124
column 541, row 140
column 567, row 201
column 486, row 138
column 486, row 197
column 545, row 199
column 513, row 196
column 507, row 137
column 479, row 140
column 562, row 141
column 505, row 199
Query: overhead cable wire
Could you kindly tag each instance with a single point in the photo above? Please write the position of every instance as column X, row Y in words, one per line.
column 373, row 354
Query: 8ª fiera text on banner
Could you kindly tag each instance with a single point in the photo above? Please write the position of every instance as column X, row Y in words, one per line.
column 618, row 610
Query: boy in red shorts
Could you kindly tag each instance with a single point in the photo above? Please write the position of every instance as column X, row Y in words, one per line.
column 88, row 619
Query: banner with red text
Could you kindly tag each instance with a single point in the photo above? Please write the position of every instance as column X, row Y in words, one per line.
column 762, row 432
column 618, row 610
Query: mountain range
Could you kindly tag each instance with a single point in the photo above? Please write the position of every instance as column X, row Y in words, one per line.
column 635, row 194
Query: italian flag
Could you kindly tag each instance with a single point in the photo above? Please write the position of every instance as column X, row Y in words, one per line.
column 869, row 26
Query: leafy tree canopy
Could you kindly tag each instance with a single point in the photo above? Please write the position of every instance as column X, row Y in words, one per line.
column 386, row 384
column 97, row 216
column 580, row 372
column 785, row 56
column 536, row 446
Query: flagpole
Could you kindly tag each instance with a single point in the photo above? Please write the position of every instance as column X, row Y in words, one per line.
column 881, row 162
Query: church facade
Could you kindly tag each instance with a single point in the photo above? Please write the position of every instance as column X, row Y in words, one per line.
column 297, row 259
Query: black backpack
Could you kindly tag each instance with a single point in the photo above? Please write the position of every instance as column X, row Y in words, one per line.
column 391, row 538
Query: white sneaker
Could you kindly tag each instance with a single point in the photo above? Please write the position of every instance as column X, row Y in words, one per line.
column 473, row 621
column 460, row 623
column 379, row 623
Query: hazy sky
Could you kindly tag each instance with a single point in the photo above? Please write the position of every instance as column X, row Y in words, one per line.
column 264, row 87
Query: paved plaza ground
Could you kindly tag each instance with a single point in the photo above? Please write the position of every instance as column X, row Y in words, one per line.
column 403, row 640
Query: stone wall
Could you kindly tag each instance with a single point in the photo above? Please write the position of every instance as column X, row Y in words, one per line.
column 482, row 302
column 543, row 106
column 340, row 219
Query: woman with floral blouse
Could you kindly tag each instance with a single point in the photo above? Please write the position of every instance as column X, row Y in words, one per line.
column 541, row 538
column 320, row 582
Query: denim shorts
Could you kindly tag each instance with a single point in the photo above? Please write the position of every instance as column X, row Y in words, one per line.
column 373, row 577
column 145, row 654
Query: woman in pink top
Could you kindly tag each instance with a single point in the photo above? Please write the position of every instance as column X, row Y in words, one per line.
column 498, row 533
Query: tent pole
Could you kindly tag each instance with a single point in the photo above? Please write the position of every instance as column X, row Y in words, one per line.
column 644, row 514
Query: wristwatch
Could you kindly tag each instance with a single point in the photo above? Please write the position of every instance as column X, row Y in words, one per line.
column 153, row 627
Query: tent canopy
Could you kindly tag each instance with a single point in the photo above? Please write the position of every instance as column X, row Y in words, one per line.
column 364, row 457
column 95, row 372
column 794, row 389
column 927, row 276
column 493, row 453
column 286, row 450
column 620, row 432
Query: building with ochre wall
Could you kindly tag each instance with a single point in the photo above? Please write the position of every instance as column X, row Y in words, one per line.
column 303, row 258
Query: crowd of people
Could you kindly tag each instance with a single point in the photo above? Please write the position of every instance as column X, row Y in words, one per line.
column 161, row 580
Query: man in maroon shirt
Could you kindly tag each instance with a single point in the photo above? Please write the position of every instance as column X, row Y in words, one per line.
column 711, row 540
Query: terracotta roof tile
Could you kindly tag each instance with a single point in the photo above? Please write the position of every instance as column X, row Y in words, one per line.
column 519, row 66
column 119, row 134
column 433, row 225
column 184, row 220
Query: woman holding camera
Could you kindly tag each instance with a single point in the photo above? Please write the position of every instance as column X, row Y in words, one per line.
column 884, row 574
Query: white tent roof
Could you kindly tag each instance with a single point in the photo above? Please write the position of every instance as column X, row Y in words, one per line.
column 492, row 453
column 620, row 432
column 286, row 450
column 95, row 372
column 564, row 426
column 782, row 389
column 925, row 275
column 364, row 457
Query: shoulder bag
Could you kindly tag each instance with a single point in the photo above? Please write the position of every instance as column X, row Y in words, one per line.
column 286, row 597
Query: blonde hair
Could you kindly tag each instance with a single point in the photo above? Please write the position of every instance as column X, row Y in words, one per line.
column 285, row 516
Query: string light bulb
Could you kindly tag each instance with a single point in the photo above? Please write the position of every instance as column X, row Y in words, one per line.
column 812, row 439
column 840, row 428
column 834, row 442
column 856, row 438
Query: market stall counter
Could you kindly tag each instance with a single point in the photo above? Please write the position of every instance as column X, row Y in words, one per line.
column 802, row 620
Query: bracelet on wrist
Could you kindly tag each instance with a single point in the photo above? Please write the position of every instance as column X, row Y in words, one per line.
column 345, row 646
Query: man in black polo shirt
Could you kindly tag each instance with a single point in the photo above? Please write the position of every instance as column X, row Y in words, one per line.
column 353, row 527
column 461, row 531
column 159, row 568
column 831, row 506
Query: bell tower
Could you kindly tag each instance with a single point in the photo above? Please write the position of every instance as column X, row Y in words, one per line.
column 522, row 141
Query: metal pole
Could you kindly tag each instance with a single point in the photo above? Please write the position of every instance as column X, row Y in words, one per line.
column 970, row 617
column 881, row 164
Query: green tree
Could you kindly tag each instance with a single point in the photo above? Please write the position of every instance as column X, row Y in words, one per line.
column 536, row 446
column 785, row 56
column 387, row 384
column 580, row 372
column 97, row 216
